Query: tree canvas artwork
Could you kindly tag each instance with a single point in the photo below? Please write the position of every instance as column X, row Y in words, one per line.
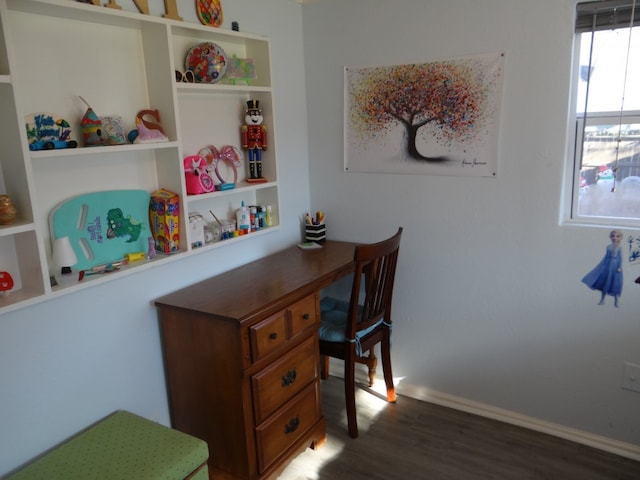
column 437, row 118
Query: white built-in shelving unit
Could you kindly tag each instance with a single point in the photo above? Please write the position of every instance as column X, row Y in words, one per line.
column 52, row 52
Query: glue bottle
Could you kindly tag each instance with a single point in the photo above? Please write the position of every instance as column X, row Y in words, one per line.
column 242, row 216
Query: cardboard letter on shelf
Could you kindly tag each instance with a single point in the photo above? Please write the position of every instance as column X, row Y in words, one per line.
column 143, row 7
column 169, row 5
column 172, row 10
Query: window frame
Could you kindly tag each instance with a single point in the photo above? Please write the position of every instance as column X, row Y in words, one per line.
column 595, row 118
column 576, row 130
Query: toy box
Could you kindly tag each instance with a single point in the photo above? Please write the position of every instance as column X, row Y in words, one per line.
column 164, row 219
column 196, row 230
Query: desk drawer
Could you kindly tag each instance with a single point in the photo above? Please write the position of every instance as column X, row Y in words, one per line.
column 276, row 330
column 304, row 314
column 282, row 430
column 281, row 380
column 268, row 335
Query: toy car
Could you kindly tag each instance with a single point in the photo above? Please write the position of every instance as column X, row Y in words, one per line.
column 52, row 144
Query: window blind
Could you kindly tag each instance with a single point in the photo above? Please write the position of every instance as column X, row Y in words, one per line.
column 607, row 14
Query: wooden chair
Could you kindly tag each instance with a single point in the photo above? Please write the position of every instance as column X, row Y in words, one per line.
column 348, row 329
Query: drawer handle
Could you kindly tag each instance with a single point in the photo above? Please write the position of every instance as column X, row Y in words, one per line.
column 289, row 378
column 273, row 335
column 306, row 316
column 293, row 425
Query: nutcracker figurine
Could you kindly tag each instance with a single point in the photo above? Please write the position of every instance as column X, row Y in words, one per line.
column 254, row 139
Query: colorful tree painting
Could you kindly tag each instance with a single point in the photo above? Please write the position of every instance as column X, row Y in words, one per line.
column 449, row 101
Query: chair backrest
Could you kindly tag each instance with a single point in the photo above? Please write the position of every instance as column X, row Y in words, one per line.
column 376, row 265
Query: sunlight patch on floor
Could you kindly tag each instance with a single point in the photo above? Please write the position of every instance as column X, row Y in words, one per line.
column 370, row 401
column 308, row 465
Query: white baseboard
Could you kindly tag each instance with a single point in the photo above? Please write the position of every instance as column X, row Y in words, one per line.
column 596, row 441
column 606, row 444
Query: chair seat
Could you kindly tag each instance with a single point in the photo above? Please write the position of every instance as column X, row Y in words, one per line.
column 334, row 315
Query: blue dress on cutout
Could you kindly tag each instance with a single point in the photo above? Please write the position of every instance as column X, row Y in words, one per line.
column 607, row 275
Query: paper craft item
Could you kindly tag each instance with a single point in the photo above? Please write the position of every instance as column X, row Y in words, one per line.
column 46, row 131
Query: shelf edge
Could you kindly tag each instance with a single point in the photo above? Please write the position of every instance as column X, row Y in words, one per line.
column 14, row 229
column 82, row 151
column 28, row 298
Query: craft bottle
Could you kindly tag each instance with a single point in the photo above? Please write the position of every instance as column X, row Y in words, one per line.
column 269, row 217
column 253, row 218
column 242, row 217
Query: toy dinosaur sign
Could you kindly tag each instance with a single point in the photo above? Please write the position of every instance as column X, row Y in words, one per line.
column 103, row 226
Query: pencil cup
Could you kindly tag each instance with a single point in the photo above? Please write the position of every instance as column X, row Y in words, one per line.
column 315, row 233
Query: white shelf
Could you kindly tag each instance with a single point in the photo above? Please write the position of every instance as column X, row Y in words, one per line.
column 197, row 88
column 73, row 10
column 133, row 71
column 240, row 189
column 20, row 226
column 108, row 150
column 19, row 299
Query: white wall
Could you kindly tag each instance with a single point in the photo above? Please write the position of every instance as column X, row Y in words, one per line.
column 69, row 362
column 488, row 306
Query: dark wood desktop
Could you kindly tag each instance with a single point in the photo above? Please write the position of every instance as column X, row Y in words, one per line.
column 241, row 359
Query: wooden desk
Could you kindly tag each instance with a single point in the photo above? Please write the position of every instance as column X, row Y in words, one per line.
column 241, row 359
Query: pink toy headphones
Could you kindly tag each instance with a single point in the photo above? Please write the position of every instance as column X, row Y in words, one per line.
column 229, row 155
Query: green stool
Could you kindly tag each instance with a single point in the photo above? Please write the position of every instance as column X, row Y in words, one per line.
column 123, row 446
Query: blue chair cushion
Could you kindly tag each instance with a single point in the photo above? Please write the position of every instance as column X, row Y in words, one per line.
column 334, row 314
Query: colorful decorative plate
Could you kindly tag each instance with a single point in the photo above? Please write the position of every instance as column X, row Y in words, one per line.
column 209, row 12
column 207, row 61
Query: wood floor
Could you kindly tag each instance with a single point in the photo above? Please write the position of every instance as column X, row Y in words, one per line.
column 418, row 440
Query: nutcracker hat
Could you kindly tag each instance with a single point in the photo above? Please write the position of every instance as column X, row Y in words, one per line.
column 253, row 105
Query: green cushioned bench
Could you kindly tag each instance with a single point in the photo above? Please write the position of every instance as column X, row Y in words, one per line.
column 123, row 446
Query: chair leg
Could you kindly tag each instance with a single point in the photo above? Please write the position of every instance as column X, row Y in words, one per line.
column 324, row 367
column 385, row 348
column 350, row 396
column 372, row 365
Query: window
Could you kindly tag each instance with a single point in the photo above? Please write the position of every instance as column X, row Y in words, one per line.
column 606, row 166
